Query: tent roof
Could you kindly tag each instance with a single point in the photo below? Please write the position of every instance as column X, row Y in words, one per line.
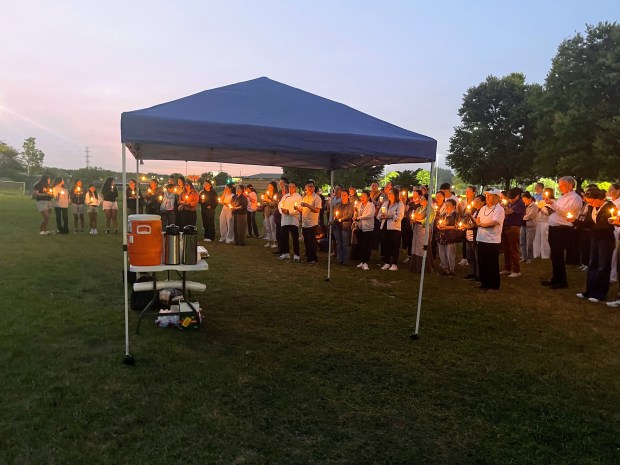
column 264, row 122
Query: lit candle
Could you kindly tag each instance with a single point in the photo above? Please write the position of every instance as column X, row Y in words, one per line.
column 468, row 207
column 440, row 221
column 337, row 213
column 133, row 192
column 355, row 205
column 219, row 199
column 202, row 196
column 504, row 202
column 79, row 189
column 381, row 199
column 435, row 207
column 161, row 197
column 186, row 196
column 262, row 197
column 275, row 197
column 62, row 192
column 150, row 190
column 569, row 216
column 460, row 224
column 612, row 211
column 258, row 204
column 546, row 195
column 383, row 210
column 412, row 216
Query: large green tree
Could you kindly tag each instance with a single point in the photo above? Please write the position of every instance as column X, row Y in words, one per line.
column 579, row 113
column 31, row 156
column 222, row 178
column 494, row 142
column 11, row 167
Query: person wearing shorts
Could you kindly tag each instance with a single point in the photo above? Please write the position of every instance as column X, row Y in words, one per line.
column 110, row 207
column 77, row 196
column 42, row 193
column 92, row 201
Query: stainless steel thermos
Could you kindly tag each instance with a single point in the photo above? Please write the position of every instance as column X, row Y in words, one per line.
column 190, row 252
column 172, row 242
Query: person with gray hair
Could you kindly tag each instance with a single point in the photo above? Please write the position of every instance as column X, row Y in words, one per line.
column 561, row 229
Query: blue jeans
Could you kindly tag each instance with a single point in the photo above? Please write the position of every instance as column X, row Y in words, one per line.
column 343, row 243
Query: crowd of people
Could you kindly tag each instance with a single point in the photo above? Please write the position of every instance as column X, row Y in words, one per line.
column 580, row 228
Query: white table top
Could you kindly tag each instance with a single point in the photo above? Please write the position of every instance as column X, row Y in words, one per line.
column 200, row 266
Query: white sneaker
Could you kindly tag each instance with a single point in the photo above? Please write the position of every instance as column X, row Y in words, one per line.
column 464, row 262
column 221, row 240
column 42, row 233
column 514, row 275
column 95, row 232
column 360, row 265
column 614, row 304
column 284, row 256
column 385, row 267
column 274, row 246
column 580, row 295
column 406, row 260
column 295, row 258
column 394, row 268
column 364, row 267
column 207, row 240
column 505, row 272
column 267, row 245
column 593, row 299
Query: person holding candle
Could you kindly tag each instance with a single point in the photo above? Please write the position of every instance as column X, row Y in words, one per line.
column 110, row 206
column 208, row 204
column 93, row 201
column 134, row 198
column 418, row 221
column 290, row 222
column 167, row 206
column 470, row 227
column 438, row 207
column 405, row 228
column 227, row 225
column 602, row 245
column 615, row 220
column 310, row 208
column 153, row 199
column 250, row 193
column 514, row 210
column 365, row 225
column 270, row 203
column 239, row 207
column 188, row 203
column 341, row 228
column 391, row 214
column 61, row 205
column 353, row 197
column 489, row 238
column 541, row 237
column 614, row 194
column 43, row 194
column 449, row 235
column 561, row 230
column 77, row 195
column 528, row 230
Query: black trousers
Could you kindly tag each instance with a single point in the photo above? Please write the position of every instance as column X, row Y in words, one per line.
column 293, row 231
column 390, row 244
column 560, row 240
column 488, row 265
column 179, row 218
column 277, row 217
column 208, row 222
column 599, row 269
column 364, row 244
column 584, row 246
column 240, row 225
column 190, row 217
column 310, row 243
column 252, row 226
column 62, row 220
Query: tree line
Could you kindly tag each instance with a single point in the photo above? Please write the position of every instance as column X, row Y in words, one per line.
column 512, row 132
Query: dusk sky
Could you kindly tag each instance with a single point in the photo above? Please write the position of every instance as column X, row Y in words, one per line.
column 68, row 69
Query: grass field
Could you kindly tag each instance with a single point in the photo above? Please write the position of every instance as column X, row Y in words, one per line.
column 289, row 369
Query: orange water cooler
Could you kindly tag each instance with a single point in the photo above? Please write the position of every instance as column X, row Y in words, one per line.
column 144, row 240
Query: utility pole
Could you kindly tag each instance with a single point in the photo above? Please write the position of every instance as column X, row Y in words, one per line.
column 87, row 156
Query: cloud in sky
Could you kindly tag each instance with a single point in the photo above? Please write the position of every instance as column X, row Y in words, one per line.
column 70, row 68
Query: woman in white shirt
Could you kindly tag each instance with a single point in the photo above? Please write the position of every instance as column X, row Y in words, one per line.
column 541, row 236
column 490, row 221
column 227, row 231
column 92, row 201
column 614, row 193
column 61, row 205
column 391, row 214
column 365, row 225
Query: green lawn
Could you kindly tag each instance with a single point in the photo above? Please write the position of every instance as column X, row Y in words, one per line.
column 289, row 369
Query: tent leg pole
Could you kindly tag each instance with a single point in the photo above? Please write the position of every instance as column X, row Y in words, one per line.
column 128, row 360
column 329, row 230
column 137, row 185
column 429, row 207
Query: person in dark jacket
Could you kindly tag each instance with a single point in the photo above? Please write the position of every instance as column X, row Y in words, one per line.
column 153, row 199
column 78, row 206
column 239, row 206
column 135, row 201
column 208, row 204
column 602, row 244
column 110, row 207
column 43, row 194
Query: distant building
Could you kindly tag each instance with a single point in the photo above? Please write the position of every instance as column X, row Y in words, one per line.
column 260, row 181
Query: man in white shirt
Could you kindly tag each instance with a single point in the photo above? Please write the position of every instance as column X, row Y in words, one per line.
column 310, row 208
column 290, row 222
column 490, row 221
column 561, row 230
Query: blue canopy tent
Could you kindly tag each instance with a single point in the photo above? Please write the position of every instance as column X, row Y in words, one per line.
column 264, row 122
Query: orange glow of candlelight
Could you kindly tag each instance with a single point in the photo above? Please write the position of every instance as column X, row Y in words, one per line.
column 569, row 215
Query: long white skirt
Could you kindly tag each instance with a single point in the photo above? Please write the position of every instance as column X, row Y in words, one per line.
column 541, row 240
column 227, row 231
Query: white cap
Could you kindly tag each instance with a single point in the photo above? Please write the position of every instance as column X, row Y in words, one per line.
column 493, row 192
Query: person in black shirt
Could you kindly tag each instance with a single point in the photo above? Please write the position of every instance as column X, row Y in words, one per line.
column 78, row 207
column 239, row 206
column 208, row 203
column 110, row 207
column 42, row 193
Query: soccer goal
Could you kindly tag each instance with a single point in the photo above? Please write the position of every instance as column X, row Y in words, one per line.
column 13, row 187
